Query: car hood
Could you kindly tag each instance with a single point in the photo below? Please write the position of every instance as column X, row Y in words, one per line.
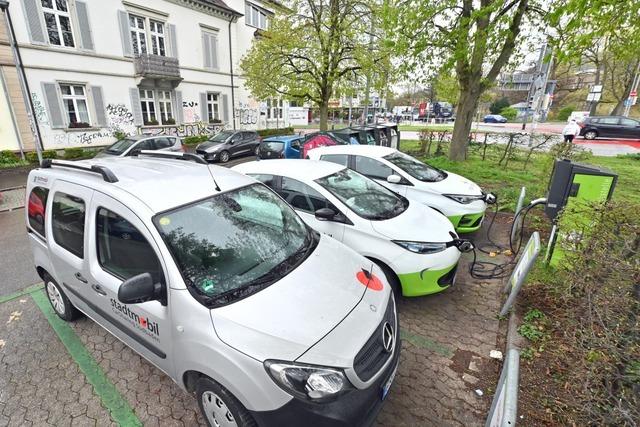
column 210, row 146
column 454, row 184
column 290, row 316
column 419, row 223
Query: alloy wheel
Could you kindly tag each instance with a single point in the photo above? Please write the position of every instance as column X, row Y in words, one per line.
column 56, row 298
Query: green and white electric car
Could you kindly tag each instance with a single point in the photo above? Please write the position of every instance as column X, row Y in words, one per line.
column 459, row 199
column 414, row 245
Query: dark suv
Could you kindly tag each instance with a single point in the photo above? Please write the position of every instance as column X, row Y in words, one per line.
column 610, row 126
column 228, row 143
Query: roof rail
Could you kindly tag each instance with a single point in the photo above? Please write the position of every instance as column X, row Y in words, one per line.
column 106, row 173
column 173, row 155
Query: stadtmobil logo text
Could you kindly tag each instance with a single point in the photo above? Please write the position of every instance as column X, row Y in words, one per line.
column 143, row 323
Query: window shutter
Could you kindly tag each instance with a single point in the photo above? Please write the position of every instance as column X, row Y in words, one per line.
column 204, row 113
column 54, row 106
column 86, row 39
column 225, row 109
column 173, row 40
column 136, row 108
column 247, row 13
column 214, row 52
column 125, row 35
column 206, row 50
column 98, row 104
column 178, row 107
column 34, row 23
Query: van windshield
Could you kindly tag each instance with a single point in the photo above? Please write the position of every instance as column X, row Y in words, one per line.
column 120, row 146
column 235, row 244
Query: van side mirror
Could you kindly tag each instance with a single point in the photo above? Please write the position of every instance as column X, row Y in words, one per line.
column 138, row 289
column 394, row 179
column 325, row 214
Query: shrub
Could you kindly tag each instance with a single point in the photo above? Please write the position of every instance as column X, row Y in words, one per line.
column 497, row 106
column 509, row 113
column 31, row 157
column 564, row 113
column 49, row 154
column 73, row 153
column 274, row 132
column 195, row 139
column 8, row 157
column 119, row 135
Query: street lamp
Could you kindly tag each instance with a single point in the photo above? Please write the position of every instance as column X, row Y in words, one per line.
column 22, row 77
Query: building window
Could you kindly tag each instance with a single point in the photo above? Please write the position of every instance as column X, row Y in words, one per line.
column 138, row 34
column 58, row 22
column 147, row 102
column 74, row 99
column 275, row 108
column 166, row 113
column 255, row 16
column 157, row 38
column 213, row 107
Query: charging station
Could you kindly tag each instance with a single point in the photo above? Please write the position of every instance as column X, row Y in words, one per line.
column 573, row 190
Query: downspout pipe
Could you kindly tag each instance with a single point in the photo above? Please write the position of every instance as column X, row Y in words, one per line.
column 233, row 90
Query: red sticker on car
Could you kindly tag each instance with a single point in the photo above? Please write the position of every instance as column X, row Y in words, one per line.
column 370, row 280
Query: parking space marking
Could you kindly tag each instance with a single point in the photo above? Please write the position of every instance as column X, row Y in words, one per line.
column 120, row 410
column 420, row 341
column 28, row 290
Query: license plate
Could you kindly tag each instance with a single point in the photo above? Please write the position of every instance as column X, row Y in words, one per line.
column 387, row 385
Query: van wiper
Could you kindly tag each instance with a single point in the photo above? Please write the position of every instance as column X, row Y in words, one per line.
column 244, row 290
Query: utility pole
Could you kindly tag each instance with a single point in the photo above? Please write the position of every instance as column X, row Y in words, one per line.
column 634, row 90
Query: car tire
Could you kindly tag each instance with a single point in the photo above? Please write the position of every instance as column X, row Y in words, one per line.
column 391, row 277
column 590, row 134
column 58, row 300
column 216, row 402
column 224, row 157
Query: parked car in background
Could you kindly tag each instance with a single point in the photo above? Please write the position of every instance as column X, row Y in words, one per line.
column 280, row 147
column 414, row 245
column 459, row 199
column 132, row 145
column 227, row 144
column 609, row 126
column 494, row 118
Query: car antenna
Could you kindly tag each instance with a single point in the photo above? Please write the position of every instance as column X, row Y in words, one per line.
column 217, row 187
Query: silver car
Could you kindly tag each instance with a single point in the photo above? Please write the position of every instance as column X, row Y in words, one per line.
column 132, row 145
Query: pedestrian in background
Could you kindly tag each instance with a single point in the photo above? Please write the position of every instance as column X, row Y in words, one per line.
column 570, row 131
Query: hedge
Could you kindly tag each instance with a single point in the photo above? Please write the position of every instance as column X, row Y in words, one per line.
column 192, row 140
column 275, row 132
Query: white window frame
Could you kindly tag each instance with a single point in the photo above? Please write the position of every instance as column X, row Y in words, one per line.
column 275, row 109
column 148, row 101
column 138, row 34
column 213, row 106
column 158, row 37
column 74, row 98
column 256, row 17
column 148, row 35
column 165, row 106
column 57, row 14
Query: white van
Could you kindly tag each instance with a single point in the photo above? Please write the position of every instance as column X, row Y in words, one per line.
column 215, row 280
column 414, row 245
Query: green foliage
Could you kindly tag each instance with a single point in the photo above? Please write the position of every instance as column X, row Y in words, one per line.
column 274, row 132
column 498, row 105
column 447, row 88
column 193, row 140
column 8, row 157
column 564, row 113
column 31, row 157
column 50, row 154
column 509, row 113
column 73, row 153
column 119, row 135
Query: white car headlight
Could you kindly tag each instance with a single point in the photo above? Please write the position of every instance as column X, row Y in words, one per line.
column 421, row 247
column 310, row 382
column 463, row 198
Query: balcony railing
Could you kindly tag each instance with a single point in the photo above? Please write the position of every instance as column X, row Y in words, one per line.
column 157, row 67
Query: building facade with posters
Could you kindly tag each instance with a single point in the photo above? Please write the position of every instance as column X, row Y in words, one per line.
column 98, row 68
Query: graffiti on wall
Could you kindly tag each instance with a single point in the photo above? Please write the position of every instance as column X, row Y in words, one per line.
column 39, row 110
column 120, row 119
column 187, row 129
column 83, row 138
column 248, row 113
column 190, row 112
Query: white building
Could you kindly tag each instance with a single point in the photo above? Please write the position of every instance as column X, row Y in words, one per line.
column 154, row 66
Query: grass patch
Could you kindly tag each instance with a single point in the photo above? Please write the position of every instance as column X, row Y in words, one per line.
column 418, row 128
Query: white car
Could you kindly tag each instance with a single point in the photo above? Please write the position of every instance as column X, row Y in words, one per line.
column 215, row 280
column 415, row 245
column 459, row 199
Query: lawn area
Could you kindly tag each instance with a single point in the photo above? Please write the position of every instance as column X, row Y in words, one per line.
column 507, row 181
column 418, row 128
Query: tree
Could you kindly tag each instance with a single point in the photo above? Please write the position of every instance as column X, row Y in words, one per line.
column 498, row 105
column 476, row 39
column 446, row 88
column 315, row 49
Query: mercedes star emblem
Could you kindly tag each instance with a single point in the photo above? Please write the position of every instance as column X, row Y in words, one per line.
column 387, row 337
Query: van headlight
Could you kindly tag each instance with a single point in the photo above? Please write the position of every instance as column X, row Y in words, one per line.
column 421, row 247
column 309, row 382
column 463, row 198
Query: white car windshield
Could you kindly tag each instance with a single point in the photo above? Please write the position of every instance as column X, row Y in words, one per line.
column 232, row 245
column 363, row 196
column 415, row 168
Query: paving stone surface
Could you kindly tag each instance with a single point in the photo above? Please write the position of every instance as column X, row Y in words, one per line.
column 40, row 384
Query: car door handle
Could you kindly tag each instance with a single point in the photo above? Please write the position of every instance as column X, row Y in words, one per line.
column 81, row 278
column 98, row 289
